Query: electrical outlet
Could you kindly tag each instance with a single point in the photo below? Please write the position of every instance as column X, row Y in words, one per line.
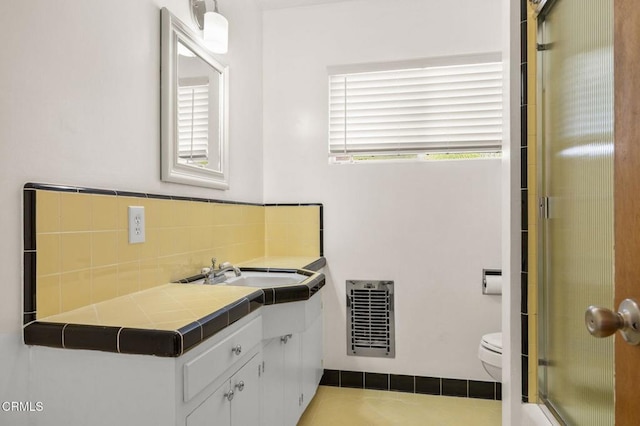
column 136, row 225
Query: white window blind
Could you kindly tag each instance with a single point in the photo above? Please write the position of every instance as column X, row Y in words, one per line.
column 193, row 122
column 456, row 108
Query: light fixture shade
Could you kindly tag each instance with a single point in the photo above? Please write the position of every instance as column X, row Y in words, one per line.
column 216, row 32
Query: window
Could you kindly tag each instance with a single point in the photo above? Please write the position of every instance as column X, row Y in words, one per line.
column 448, row 107
column 193, row 121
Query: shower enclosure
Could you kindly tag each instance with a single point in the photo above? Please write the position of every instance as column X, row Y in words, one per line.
column 575, row 110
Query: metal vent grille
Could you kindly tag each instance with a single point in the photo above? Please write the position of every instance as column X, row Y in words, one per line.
column 370, row 322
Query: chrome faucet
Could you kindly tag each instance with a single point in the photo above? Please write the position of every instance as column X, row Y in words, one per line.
column 216, row 276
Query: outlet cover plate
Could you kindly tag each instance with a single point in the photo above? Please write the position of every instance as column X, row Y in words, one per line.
column 136, row 225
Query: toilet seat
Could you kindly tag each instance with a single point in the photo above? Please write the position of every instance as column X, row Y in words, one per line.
column 490, row 353
column 492, row 342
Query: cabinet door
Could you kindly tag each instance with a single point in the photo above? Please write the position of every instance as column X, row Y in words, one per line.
column 292, row 376
column 273, row 383
column 312, row 356
column 246, row 384
column 215, row 410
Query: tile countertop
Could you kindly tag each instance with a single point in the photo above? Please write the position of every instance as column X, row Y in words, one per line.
column 170, row 319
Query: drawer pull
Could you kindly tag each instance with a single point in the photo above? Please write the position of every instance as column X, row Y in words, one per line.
column 284, row 339
column 240, row 386
column 229, row 395
column 237, row 349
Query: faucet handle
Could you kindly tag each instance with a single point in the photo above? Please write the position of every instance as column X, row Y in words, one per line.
column 213, row 263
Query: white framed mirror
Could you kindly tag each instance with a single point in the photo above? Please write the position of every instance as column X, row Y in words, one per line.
column 194, row 109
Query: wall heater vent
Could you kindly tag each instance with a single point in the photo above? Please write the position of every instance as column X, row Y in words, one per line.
column 370, row 322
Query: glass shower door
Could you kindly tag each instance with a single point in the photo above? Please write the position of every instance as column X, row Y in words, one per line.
column 576, row 157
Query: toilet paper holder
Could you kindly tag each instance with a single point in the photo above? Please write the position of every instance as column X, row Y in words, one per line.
column 486, row 273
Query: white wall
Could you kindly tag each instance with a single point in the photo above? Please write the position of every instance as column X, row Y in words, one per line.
column 430, row 227
column 80, row 105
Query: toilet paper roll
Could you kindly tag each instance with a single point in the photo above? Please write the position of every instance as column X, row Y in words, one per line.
column 492, row 284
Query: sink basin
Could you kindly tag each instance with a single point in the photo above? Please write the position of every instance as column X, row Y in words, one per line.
column 266, row 279
column 262, row 279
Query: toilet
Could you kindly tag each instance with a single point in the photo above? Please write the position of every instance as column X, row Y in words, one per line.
column 490, row 353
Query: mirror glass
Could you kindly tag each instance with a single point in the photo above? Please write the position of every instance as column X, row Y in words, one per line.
column 194, row 109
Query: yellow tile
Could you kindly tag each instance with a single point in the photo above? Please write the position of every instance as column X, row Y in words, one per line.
column 222, row 236
column 275, row 231
column 128, row 278
column 104, row 248
column 182, row 213
column 152, row 213
column 532, row 124
column 123, row 209
column 199, row 214
column 175, row 267
column 252, row 232
column 150, row 249
column 48, row 296
column 533, row 357
column 162, row 213
column 199, row 238
column 171, row 242
column 302, row 230
column 75, row 212
column 150, row 275
column 47, row 211
column 75, row 289
column 254, row 214
column 48, row 254
column 185, row 316
column 127, row 252
column 276, row 215
column 104, row 212
column 277, row 247
column 227, row 214
column 306, row 214
column 104, row 284
column 75, row 251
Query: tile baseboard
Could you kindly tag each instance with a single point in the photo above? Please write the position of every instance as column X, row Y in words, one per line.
column 413, row 384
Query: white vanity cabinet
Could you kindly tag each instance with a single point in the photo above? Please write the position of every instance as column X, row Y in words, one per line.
column 261, row 370
column 292, row 360
column 236, row 402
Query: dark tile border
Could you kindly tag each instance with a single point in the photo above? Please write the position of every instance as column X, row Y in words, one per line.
column 455, row 387
column 317, row 265
column 413, row 384
column 330, row 378
column 114, row 192
column 403, row 383
column 29, row 217
column 524, row 132
column 352, row 379
column 149, row 342
column 29, row 283
column 377, row 381
column 77, row 336
column 291, row 293
column 429, row 385
column 44, row 334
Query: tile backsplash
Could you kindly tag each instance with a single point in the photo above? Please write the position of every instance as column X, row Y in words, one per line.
column 83, row 254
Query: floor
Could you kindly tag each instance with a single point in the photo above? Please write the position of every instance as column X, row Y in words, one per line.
column 336, row 406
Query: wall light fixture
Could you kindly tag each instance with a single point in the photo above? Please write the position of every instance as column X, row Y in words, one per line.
column 214, row 25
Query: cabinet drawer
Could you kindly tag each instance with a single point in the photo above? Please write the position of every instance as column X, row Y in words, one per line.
column 203, row 370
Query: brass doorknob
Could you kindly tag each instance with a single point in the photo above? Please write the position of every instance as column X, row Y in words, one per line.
column 603, row 322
